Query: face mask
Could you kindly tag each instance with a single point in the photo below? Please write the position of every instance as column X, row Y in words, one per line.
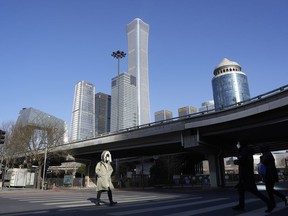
column 238, row 145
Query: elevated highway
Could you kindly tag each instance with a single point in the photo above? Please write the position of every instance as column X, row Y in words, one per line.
column 211, row 135
column 263, row 119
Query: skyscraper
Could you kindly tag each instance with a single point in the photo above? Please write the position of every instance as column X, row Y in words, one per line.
column 207, row 106
column 102, row 113
column 83, row 112
column 163, row 115
column 183, row 111
column 127, row 106
column 230, row 84
column 137, row 34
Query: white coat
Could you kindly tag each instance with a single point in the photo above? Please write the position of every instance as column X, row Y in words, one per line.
column 103, row 171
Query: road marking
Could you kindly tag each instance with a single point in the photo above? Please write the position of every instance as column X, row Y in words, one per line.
column 132, row 200
column 209, row 209
column 30, row 213
column 67, row 202
column 261, row 211
column 164, row 207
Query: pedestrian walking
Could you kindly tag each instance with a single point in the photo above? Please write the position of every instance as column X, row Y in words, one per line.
column 245, row 162
column 104, row 171
column 261, row 168
column 271, row 176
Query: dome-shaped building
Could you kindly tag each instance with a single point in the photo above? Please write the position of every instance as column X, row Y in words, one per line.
column 230, row 84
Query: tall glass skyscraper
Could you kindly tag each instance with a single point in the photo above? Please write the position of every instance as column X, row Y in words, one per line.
column 137, row 33
column 83, row 113
column 102, row 113
column 127, row 106
column 230, row 84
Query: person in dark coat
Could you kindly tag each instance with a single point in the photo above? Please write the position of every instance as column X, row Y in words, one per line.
column 271, row 176
column 245, row 162
column 104, row 171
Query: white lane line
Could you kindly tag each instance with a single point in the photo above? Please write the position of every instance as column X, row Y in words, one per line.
column 209, row 209
column 68, row 202
column 261, row 211
column 164, row 207
column 130, row 200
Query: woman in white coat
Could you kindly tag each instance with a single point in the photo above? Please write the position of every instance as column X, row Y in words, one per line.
column 104, row 171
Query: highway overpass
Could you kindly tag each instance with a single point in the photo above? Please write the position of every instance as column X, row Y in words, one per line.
column 211, row 135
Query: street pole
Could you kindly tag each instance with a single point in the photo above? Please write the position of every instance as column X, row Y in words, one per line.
column 44, row 168
column 118, row 55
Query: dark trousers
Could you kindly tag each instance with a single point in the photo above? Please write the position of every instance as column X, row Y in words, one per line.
column 271, row 191
column 109, row 195
column 252, row 189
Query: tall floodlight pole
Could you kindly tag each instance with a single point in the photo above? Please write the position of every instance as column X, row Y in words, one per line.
column 118, row 55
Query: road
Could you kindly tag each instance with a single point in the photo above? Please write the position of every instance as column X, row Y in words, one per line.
column 160, row 202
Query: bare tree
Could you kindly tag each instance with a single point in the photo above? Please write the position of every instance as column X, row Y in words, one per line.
column 26, row 144
column 9, row 150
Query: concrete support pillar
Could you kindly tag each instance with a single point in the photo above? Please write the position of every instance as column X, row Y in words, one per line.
column 117, row 171
column 90, row 173
column 217, row 170
column 90, row 170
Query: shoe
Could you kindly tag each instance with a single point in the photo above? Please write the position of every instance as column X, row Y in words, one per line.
column 97, row 203
column 238, row 208
column 113, row 203
column 270, row 208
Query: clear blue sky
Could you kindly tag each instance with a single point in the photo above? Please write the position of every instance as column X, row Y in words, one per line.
column 47, row 46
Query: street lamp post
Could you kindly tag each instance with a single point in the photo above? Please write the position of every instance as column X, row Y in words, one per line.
column 118, row 55
column 44, row 168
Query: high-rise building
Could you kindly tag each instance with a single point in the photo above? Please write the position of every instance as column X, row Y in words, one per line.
column 163, row 115
column 183, row 111
column 207, row 106
column 56, row 128
column 126, row 104
column 102, row 113
column 230, row 84
column 83, row 112
column 137, row 34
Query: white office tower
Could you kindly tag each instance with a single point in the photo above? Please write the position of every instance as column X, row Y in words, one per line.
column 83, row 112
column 126, row 104
column 137, row 34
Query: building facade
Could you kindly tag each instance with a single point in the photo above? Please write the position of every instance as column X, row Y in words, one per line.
column 83, row 112
column 163, row 115
column 207, row 106
column 44, row 121
column 137, row 34
column 230, row 84
column 102, row 113
column 187, row 110
column 125, row 106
